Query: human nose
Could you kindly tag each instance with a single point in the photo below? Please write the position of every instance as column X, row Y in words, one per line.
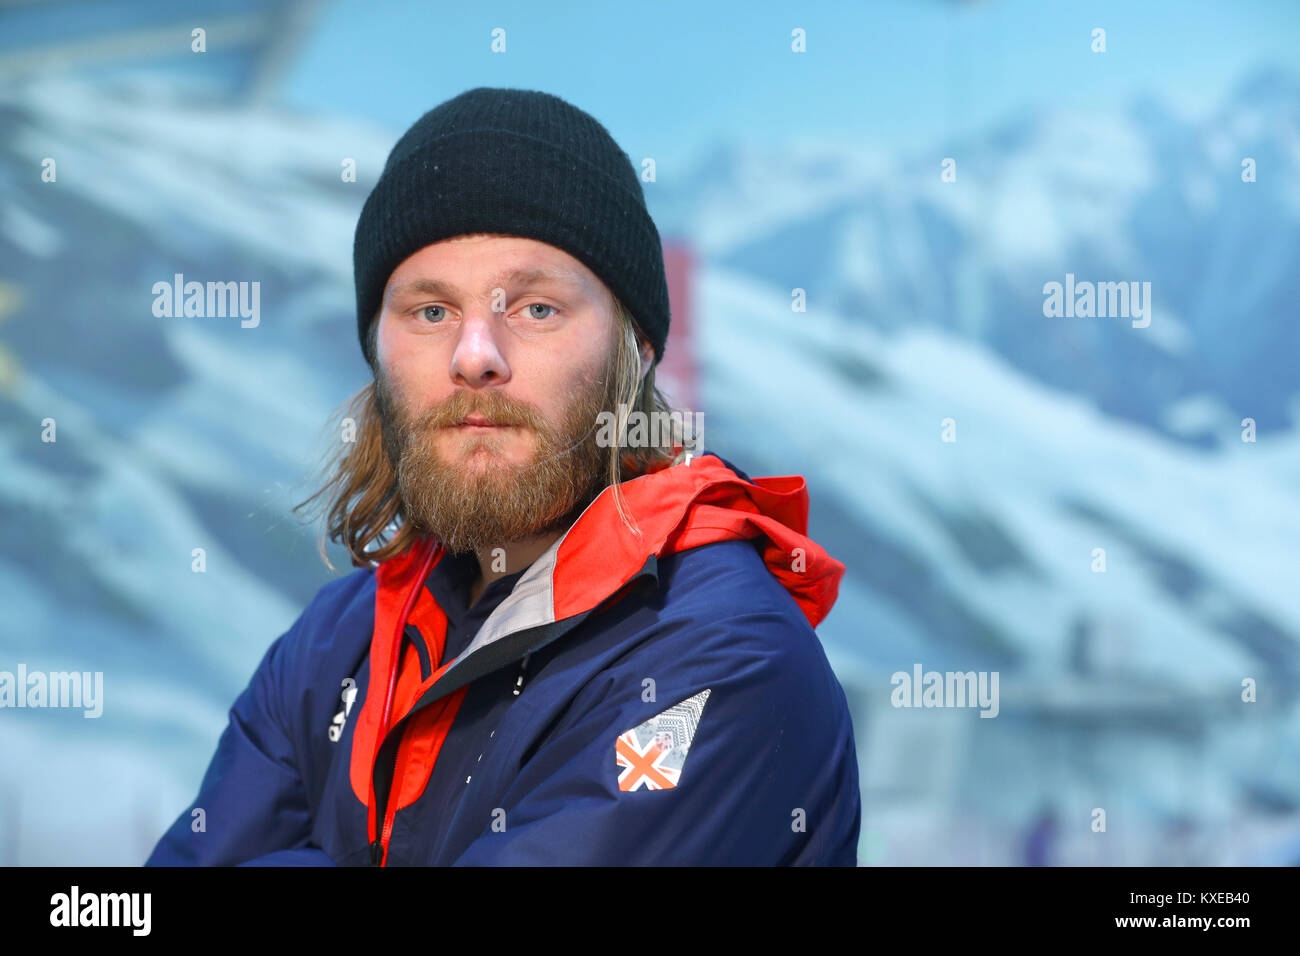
column 477, row 359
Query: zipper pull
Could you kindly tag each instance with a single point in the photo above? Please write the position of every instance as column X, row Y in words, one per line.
column 376, row 853
column 519, row 681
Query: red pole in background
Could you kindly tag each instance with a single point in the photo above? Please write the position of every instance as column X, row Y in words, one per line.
column 676, row 374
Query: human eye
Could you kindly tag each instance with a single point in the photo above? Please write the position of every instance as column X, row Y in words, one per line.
column 432, row 320
column 528, row 310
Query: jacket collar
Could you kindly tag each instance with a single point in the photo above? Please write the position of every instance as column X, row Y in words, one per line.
column 674, row 509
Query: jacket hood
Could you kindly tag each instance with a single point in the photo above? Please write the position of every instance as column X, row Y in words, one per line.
column 684, row 506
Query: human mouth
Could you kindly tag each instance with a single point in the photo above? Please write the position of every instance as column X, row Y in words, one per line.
column 479, row 422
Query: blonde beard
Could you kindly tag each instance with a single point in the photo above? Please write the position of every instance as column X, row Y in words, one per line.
column 482, row 502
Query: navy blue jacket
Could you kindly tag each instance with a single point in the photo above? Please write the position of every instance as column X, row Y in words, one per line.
column 659, row 698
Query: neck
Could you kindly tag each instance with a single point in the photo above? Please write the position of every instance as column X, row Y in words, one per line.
column 496, row 563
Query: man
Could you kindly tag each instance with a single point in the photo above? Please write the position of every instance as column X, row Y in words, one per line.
column 560, row 647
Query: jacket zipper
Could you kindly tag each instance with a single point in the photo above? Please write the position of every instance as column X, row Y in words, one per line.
column 519, row 680
column 377, row 848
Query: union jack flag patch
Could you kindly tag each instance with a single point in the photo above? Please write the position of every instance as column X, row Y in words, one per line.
column 652, row 754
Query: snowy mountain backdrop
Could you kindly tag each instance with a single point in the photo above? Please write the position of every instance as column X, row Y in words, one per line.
column 924, row 303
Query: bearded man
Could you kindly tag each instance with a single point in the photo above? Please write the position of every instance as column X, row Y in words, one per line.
column 555, row 649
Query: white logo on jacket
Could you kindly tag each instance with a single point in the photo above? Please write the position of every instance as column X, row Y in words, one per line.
column 349, row 695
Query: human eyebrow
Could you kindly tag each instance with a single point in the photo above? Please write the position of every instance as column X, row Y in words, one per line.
column 422, row 287
column 517, row 277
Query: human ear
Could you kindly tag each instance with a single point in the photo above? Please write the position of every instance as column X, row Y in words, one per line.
column 647, row 356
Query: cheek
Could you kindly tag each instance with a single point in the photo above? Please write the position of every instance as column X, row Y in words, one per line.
column 396, row 344
column 411, row 371
column 577, row 391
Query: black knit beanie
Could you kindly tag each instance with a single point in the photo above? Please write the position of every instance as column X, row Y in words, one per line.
column 519, row 163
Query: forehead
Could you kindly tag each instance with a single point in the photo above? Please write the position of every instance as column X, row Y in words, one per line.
column 479, row 263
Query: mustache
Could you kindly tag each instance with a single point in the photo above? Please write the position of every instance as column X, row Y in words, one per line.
column 493, row 406
column 400, row 428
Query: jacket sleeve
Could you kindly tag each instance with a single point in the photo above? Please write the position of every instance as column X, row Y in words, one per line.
column 253, row 801
column 770, row 776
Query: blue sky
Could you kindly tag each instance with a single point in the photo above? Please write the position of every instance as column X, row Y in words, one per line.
column 667, row 77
